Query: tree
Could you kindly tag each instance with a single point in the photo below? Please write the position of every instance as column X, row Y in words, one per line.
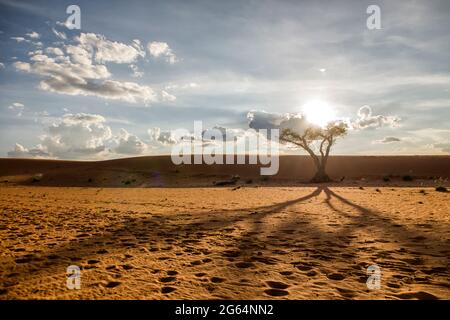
column 324, row 137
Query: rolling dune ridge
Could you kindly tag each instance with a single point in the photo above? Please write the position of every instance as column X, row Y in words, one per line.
column 268, row 239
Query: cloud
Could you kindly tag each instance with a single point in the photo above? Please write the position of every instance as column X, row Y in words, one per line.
column 104, row 50
column 158, row 137
column 33, row 35
column 70, row 137
column 136, row 72
column 59, row 34
column 129, row 144
column 367, row 120
column 445, row 146
column 264, row 120
column 76, row 75
column 2, row 65
column 22, row 66
column 22, row 152
column 54, row 51
column 20, row 39
column 77, row 135
column 17, row 107
column 82, row 136
column 79, row 69
column 388, row 140
column 161, row 49
column 165, row 96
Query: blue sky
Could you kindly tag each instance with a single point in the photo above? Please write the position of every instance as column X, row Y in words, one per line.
column 98, row 93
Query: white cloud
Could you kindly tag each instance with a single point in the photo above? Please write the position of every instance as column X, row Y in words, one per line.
column 105, row 50
column 165, row 96
column 79, row 55
column 22, row 66
column 2, row 65
column 82, row 71
column 17, row 107
column 62, row 24
column 76, row 135
column 70, row 137
column 33, row 35
column 82, row 136
column 82, row 78
column 59, row 34
column 161, row 137
column 20, row 39
column 367, row 120
column 136, row 72
column 22, row 152
column 129, row 144
column 161, row 49
column 54, row 51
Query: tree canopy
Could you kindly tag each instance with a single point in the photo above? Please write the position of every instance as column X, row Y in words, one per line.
column 325, row 137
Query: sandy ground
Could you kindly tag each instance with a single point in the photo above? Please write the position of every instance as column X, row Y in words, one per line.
column 219, row 243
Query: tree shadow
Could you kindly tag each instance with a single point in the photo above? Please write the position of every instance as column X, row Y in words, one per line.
column 298, row 234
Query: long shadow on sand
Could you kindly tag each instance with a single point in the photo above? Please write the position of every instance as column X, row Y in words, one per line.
column 245, row 239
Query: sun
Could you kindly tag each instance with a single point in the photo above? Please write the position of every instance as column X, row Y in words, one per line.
column 318, row 112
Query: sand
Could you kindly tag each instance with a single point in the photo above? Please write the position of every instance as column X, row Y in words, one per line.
column 296, row 243
column 253, row 242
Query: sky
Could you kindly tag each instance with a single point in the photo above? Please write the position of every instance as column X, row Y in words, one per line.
column 136, row 71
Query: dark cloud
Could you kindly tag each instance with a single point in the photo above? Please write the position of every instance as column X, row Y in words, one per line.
column 388, row 140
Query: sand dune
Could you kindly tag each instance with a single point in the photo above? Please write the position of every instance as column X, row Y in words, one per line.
column 160, row 171
column 252, row 242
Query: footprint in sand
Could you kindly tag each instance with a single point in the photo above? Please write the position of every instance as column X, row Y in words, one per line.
column 394, row 285
column 231, row 254
column 336, row 276
column 200, row 274
column 303, row 267
column 113, row 284
column 196, row 263
column 217, row 280
column 346, row 293
column 127, row 266
column 420, row 295
column 167, row 279
column 276, row 292
column 277, row 285
column 244, row 265
column 167, row 289
column 93, row 261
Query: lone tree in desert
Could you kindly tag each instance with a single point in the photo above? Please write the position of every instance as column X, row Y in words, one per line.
column 311, row 136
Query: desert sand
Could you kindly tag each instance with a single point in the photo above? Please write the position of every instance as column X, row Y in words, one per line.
column 144, row 229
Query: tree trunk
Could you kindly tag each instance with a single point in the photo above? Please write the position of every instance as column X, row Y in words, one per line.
column 321, row 176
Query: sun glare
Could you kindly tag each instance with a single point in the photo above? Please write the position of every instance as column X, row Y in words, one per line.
column 318, row 112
